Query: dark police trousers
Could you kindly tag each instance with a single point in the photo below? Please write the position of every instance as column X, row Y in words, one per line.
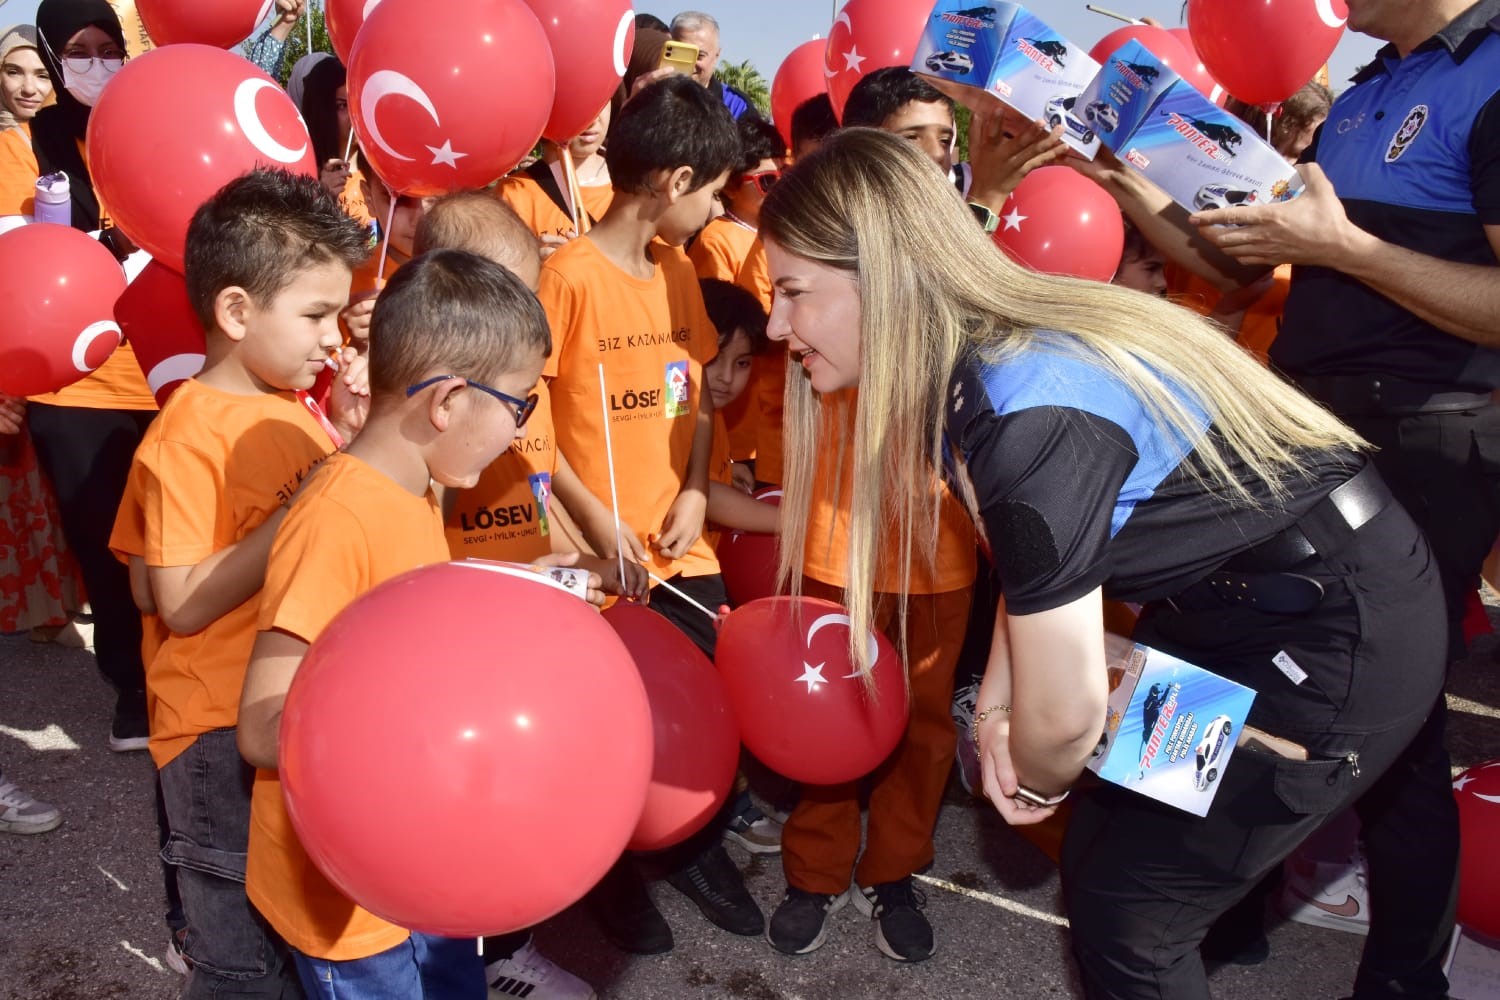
column 1143, row 882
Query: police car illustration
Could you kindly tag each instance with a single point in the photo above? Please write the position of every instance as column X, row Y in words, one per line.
column 952, row 62
column 1059, row 111
column 1221, row 196
column 1211, row 750
column 1103, row 115
column 1052, row 49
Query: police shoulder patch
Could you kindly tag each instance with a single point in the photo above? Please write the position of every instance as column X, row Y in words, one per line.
column 1411, row 125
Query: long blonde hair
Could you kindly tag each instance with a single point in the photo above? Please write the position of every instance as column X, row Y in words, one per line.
column 933, row 286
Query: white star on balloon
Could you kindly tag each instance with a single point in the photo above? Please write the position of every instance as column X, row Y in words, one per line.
column 853, row 60
column 1014, row 219
column 444, row 154
column 1463, row 780
column 812, row 676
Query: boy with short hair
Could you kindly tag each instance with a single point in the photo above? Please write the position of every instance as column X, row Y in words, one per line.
column 624, row 297
column 268, row 263
column 456, row 345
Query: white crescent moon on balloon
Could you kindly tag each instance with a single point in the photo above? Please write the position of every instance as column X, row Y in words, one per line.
column 265, row 9
column 86, row 339
column 1488, row 798
column 767, row 496
column 1325, row 11
column 255, row 129
column 843, row 19
column 622, row 61
column 369, row 6
column 819, row 624
column 382, row 83
column 177, row 368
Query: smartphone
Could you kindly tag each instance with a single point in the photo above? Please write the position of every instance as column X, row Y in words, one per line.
column 679, row 57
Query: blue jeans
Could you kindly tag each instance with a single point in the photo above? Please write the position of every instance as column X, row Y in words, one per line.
column 206, row 796
column 423, row 967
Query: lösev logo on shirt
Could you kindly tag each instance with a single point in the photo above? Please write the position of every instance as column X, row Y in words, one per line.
column 681, row 335
column 635, row 399
column 485, row 518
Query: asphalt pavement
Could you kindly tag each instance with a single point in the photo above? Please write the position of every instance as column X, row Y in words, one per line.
column 81, row 913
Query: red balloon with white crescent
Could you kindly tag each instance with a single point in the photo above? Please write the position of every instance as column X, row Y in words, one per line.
column 220, row 23
column 231, row 119
column 1478, row 793
column 592, row 40
column 803, row 707
column 697, row 741
column 799, row 78
column 59, row 287
column 748, row 559
column 344, row 18
column 1232, row 37
column 868, row 35
column 451, row 102
column 1057, row 221
column 506, row 720
column 1158, row 41
column 156, row 316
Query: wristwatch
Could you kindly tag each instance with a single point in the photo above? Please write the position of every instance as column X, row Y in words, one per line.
column 987, row 219
column 1038, row 799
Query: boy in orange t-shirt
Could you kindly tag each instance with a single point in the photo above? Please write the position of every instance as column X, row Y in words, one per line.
column 370, row 514
column 267, row 266
column 624, row 300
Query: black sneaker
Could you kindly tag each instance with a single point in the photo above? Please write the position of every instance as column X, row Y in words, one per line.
column 716, row 885
column 800, row 923
column 901, row 931
column 129, row 730
column 630, row 920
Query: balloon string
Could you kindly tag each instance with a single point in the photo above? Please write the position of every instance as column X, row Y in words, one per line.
column 385, row 239
column 575, row 193
column 349, row 145
column 309, row 28
column 1110, row 13
column 680, row 594
column 609, row 457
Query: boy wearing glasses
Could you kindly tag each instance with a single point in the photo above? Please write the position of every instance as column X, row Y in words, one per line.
column 267, row 267
column 457, row 344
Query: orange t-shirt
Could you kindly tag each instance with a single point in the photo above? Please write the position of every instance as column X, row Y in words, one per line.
column 652, row 336
column 352, row 200
column 351, row 529
column 541, row 213
column 1261, row 322
column 127, row 539
column 826, row 553
column 720, row 469
column 720, row 252
column 117, row 384
column 505, row 515
column 214, row 466
column 767, row 374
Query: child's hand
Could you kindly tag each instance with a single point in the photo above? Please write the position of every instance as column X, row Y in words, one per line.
column 1003, row 152
column 12, row 410
column 334, row 175
column 552, row 242
column 683, row 524
column 349, row 397
column 637, row 582
column 356, row 317
column 603, row 541
column 595, row 592
column 742, row 477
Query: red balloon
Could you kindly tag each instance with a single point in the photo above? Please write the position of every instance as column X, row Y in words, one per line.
column 1162, row 45
column 58, row 286
column 592, row 40
column 798, row 80
column 1196, row 73
column 786, row 664
column 748, row 559
column 418, row 86
column 230, row 120
column 344, row 18
column 868, row 35
column 1232, row 38
column 220, row 23
column 1478, row 794
column 697, row 741
column 1057, row 221
column 157, row 318
column 506, row 719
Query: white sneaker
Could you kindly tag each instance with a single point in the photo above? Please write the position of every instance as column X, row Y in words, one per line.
column 531, row 975
column 176, row 958
column 1332, row 894
column 20, row 813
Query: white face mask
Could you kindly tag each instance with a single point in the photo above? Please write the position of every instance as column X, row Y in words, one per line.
column 86, row 87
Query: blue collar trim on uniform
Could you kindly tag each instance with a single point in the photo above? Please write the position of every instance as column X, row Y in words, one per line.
column 1461, row 37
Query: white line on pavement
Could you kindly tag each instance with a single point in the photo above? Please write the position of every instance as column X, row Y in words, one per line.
column 993, row 900
column 122, row 885
column 154, row 963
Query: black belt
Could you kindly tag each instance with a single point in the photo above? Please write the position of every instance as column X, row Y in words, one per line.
column 1381, row 395
column 1259, row 576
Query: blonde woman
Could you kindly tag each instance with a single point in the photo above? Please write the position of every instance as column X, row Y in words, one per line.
column 1108, row 444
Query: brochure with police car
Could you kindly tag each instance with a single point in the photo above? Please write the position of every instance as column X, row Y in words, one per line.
column 983, row 53
column 1171, row 728
column 1200, row 154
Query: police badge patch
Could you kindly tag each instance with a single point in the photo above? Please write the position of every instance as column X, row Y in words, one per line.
column 1407, row 133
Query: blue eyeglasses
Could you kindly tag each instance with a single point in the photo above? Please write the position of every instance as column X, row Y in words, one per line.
column 523, row 406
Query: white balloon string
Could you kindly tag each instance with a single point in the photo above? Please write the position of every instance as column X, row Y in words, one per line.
column 349, row 145
column 385, row 239
column 309, row 27
column 575, row 193
column 1109, row 13
column 668, row 586
column 609, row 458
